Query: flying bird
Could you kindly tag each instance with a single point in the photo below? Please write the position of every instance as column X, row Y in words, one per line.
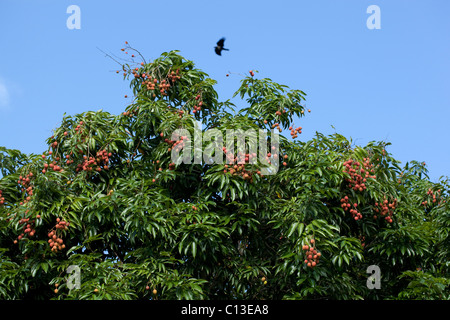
column 218, row 49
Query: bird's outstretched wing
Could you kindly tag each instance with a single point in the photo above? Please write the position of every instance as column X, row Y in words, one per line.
column 220, row 43
column 218, row 51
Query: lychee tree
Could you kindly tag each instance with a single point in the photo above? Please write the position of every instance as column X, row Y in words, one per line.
column 107, row 197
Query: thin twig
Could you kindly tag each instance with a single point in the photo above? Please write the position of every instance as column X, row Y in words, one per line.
column 109, row 56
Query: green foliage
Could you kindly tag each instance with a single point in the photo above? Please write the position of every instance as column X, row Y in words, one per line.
column 139, row 221
column 423, row 286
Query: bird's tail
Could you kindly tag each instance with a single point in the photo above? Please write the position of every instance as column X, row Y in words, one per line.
column 225, row 49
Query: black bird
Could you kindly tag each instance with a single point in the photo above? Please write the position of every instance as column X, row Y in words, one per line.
column 218, row 49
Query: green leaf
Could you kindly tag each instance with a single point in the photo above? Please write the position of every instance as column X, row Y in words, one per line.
column 292, row 229
column 194, row 249
column 44, row 266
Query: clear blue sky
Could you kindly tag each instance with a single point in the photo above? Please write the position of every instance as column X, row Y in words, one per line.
column 389, row 84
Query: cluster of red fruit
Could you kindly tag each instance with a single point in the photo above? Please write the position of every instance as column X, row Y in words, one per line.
column 241, row 157
column 180, row 113
column 275, row 156
column 312, row 256
column 28, row 228
column 433, row 195
column 163, row 87
column 275, row 125
column 348, row 207
column 295, row 131
column 359, row 173
column 386, row 209
column 270, row 155
column 174, row 75
column 200, row 104
column 54, row 144
column 150, row 82
column 69, row 161
column 95, row 163
column 148, row 288
column 171, row 166
column 27, row 188
column 285, row 158
column 2, row 199
column 363, row 240
column 278, row 112
column 130, row 113
column 56, row 242
column 176, row 145
column 126, row 42
column 78, row 129
column 52, row 166
column 236, row 165
column 239, row 169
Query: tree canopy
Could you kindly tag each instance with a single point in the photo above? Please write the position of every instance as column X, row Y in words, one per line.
column 108, row 197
